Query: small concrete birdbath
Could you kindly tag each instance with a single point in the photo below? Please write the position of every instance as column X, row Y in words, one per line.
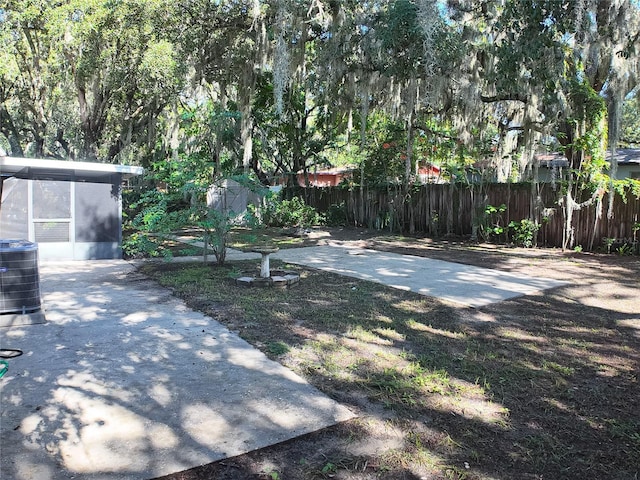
column 268, row 277
column 265, row 251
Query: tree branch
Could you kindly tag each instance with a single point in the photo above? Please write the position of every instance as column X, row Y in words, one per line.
column 515, row 97
column 434, row 132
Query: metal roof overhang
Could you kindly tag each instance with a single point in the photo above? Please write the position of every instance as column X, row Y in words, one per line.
column 623, row 156
column 41, row 169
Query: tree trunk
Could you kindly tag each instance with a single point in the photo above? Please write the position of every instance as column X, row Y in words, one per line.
column 363, row 143
column 218, row 145
column 246, row 135
column 8, row 129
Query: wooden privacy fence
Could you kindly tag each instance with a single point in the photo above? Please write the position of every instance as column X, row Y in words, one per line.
column 450, row 209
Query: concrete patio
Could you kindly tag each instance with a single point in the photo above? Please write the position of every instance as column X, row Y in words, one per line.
column 465, row 285
column 461, row 284
column 125, row 382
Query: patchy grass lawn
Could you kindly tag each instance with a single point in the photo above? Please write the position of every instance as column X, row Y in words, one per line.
column 240, row 238
column 544, row 386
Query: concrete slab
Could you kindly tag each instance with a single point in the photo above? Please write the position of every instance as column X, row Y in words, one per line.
column 20, row 319
column 463, row 284
column 125, row 382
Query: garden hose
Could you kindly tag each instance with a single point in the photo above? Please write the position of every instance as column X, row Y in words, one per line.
column 7, row 353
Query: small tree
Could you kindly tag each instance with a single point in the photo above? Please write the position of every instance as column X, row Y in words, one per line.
column 215, row 224
column 182, row 204
column 158, row 220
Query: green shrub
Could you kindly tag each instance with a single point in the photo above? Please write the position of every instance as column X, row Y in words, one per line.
column 337, row 215
column 489, row 223
column 285, row 213
column 523, row 233
column 140, row 245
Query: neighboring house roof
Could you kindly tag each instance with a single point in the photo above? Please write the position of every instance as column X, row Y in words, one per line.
column 42, row 169
column 330, row 171
column 627, row 156
column 429, row 168
column 552, row 160
column 624, row 156
column 325, row 178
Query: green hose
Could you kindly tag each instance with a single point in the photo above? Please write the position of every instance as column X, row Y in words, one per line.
column 7, row 353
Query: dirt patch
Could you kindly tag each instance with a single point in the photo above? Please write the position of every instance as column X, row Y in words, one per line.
column 542, row 386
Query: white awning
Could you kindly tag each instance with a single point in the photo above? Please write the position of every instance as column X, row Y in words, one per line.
column 43, row 169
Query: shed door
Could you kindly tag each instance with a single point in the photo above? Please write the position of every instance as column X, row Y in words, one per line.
column 52, row 226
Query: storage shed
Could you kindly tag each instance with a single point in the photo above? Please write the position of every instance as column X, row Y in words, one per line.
column 72, row 210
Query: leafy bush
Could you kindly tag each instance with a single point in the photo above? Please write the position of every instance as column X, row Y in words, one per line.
column 285, row 213
column 490, row 224
column 337, row 215
column 217, row 226
column 140, row 245
column 622, row 246
column 524, row 232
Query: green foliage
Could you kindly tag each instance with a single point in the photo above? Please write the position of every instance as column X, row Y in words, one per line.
column 624, row 249
column 336, row 215
column 278, row 348
column 626, row 185
column 530, row 41
column 401, row 38
column 276, row 212
column 211, row 135
column 120, row 81
column 140, row 244
column 630, row 131
column 523, row 233
column 589, row 121
column 587, row 104
column 435, row 143
column 89, row 77
column 623, row 246
column 181, row 204
column 292, row 141
column 608, row 242
column 144, row 212
column 385, row 161
column 490, row 223
column 329, row 468
column 217, row 226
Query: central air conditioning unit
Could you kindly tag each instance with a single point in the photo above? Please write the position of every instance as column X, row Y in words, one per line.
column 19, row 277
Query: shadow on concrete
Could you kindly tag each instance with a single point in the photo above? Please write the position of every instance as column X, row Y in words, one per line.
column 466, row 285
column 125, row 382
